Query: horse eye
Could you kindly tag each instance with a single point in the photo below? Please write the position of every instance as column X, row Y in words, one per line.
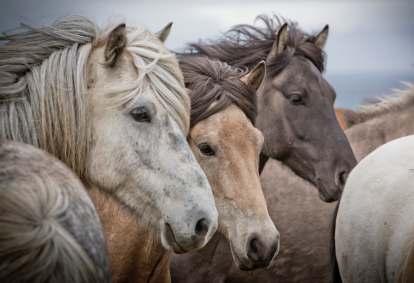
column 206, row 149
column 296, row 99
column 141, row 114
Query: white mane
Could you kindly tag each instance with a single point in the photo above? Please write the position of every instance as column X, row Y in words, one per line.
column 43, row 85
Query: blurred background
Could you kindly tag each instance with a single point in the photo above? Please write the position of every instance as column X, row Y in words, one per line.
column 370, row 48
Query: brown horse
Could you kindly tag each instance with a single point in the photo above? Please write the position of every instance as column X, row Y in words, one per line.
column 227, row 147
column 303, row 220
column 295, row 105
column 49, row 228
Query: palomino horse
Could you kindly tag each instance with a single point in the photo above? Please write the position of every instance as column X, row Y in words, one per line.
column 296, row 60
column 113, row 107
column 49, row 229
column 295, row 106
column 227, row 147
column 374, row 226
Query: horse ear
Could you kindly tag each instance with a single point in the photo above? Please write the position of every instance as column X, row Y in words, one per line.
column 255, row 77
column 322, row 37
column 280, row 43
column 165, row 32
column 115, row 44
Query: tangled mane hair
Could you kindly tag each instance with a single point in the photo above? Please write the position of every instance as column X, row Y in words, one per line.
column 214, row 86
column 246, row 45
column 43, row 85
column 49, row 229
column 399, row 100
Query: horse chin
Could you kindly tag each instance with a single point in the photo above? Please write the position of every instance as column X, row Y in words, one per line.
column 244, row 265
column 328, row 197
column 168, row 240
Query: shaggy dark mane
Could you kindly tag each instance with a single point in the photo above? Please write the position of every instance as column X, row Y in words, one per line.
column 214, row 86
column 246, row 45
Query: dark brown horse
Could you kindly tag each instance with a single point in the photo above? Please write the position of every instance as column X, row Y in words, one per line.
column 303, row 220
column 296, row 113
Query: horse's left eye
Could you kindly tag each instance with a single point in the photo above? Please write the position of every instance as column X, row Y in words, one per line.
column 296, row 99
column 141, row 114
column 206, row 149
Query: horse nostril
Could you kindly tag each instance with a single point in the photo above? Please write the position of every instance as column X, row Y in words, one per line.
column 201, row 227
column 254, row 246
column 255, row 250
column 341, row 177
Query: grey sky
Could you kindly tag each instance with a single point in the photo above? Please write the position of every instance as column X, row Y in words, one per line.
column 365, row 35
column 370, row 47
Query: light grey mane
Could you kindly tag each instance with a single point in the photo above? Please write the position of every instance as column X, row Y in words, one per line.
column 43, row 85
column 40, row 69
column 400, row 99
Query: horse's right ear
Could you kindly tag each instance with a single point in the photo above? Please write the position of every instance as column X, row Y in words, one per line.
column 255, row 77
column 164, row 33
column 322, row 37
column 280, row 43
column 115, row 45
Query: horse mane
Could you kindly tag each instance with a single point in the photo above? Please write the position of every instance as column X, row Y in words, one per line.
column 245, row 45
column 43, row 85
column 399, row 100
column 49, row 229
column 214, row 86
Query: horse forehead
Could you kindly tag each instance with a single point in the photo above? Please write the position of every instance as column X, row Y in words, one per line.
column 230, row 126
column 301, row 73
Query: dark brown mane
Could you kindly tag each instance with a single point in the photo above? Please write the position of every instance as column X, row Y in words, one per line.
column 214, row 86
column 246, row 45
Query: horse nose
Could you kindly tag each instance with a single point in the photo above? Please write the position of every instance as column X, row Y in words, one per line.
column 183, row 238
column 260, row 251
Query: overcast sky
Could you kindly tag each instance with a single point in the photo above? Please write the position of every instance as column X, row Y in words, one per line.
column 368, row 35
column 370, row 48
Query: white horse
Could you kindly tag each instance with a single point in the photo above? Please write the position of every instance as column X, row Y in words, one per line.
column 375, row 224
column 111, row 105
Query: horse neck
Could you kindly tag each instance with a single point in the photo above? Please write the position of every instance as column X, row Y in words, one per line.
column 136, row 254
column 367, row 136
